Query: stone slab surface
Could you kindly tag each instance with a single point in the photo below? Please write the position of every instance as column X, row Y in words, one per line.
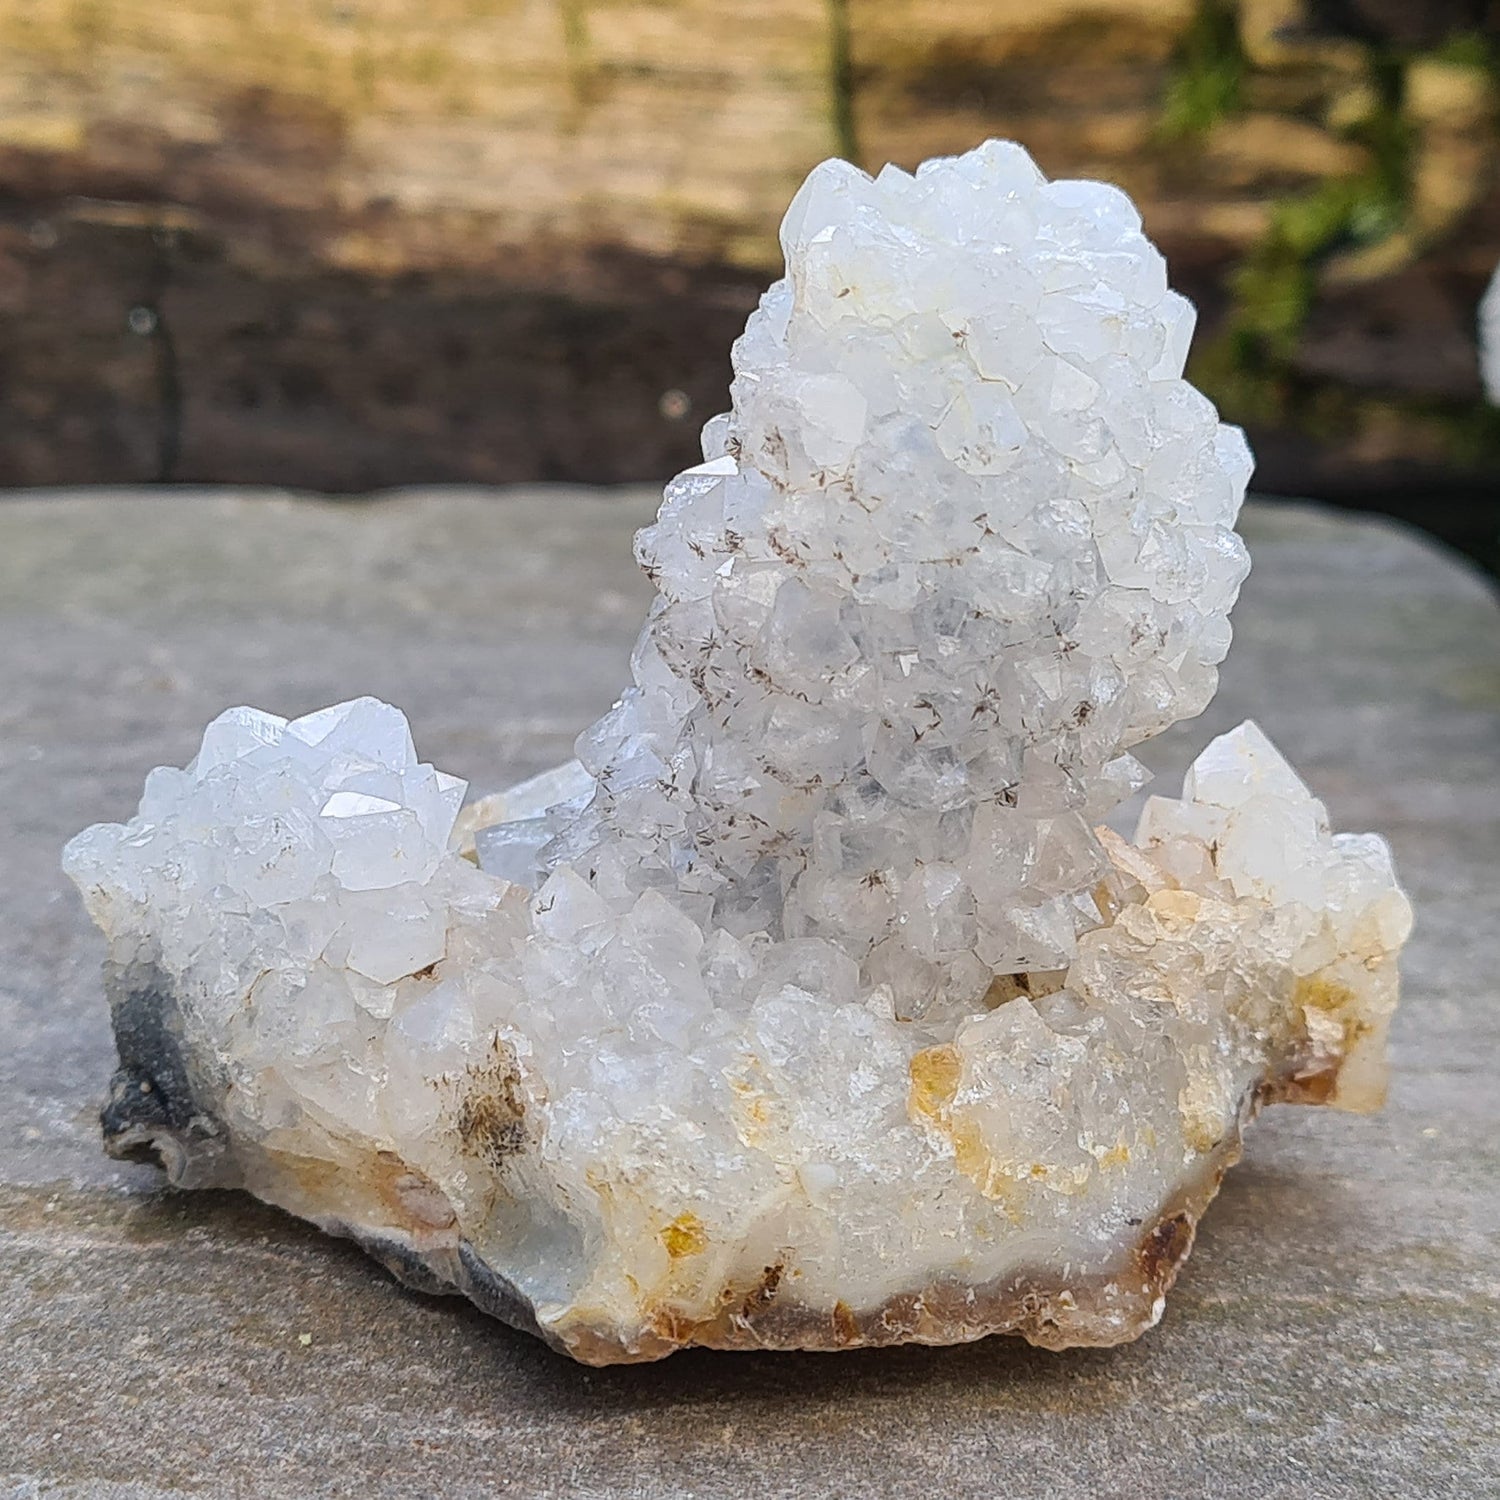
column 1337, row 1332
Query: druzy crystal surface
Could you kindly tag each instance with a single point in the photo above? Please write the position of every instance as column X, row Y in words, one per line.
column 811, row 1006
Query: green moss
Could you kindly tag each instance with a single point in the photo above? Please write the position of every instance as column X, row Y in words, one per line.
column 1469, row 49
column 1274, row 286
column 1208, row 71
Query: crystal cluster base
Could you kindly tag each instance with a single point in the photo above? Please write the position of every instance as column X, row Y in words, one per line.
column 811, row 1005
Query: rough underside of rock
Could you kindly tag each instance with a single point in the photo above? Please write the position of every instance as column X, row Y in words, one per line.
column 810, row 1006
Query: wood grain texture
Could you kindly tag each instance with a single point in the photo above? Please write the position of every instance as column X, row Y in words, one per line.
column 519, row 224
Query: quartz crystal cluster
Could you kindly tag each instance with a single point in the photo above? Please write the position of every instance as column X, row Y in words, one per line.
column 811, row 1006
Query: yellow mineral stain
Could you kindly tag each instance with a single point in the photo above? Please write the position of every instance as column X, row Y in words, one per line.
column 1320, row 994
column 684, row 1236
column 758, row 1113
column 845, row 1325
column 1203, row 1105
column 934, row 1082
column 1177, row 911
column 1320, row 991
column 934, row 1085
column 974, row 1159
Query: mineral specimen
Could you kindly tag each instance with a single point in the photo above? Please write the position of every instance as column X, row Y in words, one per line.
column 808, row 1007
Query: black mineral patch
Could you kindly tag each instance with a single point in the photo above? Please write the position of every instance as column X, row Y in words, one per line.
column 153, row 1113
column 446, row 1272
column 493, row 1294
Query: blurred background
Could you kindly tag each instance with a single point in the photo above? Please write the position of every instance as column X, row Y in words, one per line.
column 346, row 244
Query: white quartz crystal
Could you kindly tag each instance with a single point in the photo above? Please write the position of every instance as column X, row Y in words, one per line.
column 809, row 1006
column 1489, row 339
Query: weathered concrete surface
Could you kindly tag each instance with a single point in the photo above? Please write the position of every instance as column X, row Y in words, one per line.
column 1337, row 1332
